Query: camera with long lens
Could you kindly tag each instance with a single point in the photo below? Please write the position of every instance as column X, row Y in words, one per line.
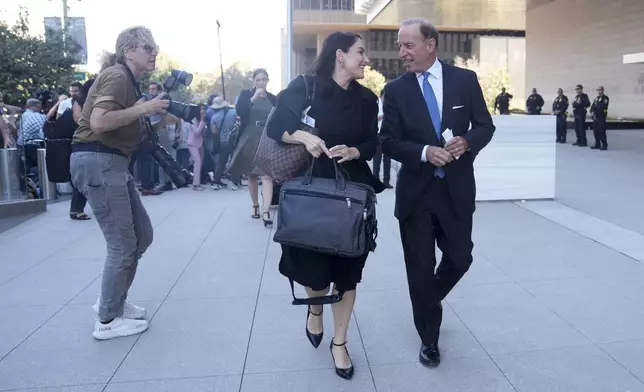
column 179, row 176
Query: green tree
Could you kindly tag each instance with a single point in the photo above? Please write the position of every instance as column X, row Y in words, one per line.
column 373, row 80
column 30, row 62
column 204, row 84
column 237, row 77
column 492, row 79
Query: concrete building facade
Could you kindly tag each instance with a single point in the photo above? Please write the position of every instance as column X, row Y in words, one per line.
column 491, row 30
column 588, row 42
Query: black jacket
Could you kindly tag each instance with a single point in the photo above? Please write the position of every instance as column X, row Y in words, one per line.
column 407, row 128
column 243, row 105
column 330, row 115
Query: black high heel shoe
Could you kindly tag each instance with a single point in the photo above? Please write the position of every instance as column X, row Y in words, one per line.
column 255, row 213
column 343, row 373
column 267, row 221
column 314, row 338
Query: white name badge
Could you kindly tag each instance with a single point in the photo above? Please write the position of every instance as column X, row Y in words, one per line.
column 449, row 135
column 306, row 119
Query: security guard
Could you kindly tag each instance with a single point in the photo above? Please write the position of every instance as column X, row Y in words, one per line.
column 534, row 103
column 599, row 110
column 502, row 102
column 579, row 109
column 559, row 109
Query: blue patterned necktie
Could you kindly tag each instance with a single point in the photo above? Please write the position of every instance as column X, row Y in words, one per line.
column 434, row 113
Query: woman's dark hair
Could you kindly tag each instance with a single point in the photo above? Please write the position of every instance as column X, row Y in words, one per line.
column 259, row 71
column 85, row 88
column 84, row 92
column 325, row 62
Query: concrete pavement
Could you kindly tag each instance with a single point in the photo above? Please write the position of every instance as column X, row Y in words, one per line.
column 553, row 302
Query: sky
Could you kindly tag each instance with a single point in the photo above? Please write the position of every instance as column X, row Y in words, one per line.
column 185, row 29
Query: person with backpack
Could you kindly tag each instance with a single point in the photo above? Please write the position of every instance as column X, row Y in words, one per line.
column 221, row 124
column 59, row 137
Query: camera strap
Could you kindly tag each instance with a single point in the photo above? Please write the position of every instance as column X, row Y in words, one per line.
column 139, row 94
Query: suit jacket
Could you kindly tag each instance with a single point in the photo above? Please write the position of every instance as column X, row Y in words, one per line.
column 407, row 128
column 243, row 105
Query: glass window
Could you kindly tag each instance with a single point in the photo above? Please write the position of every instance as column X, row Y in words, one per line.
column 372, row 40
column 380, row 41
column 346, row 5
column 302, row 4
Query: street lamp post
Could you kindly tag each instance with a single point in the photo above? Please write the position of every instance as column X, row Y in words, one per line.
column 221, row 63
column 289, row 41
column 63, row 25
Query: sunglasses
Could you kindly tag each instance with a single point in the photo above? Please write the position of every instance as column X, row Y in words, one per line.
column 149, row 48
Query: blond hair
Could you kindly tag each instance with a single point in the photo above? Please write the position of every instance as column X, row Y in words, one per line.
column 107, row 60
column 129, row 39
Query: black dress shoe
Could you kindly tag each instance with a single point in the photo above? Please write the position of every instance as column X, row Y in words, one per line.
column 430, row 355
column 343, row 373
column 314, row 338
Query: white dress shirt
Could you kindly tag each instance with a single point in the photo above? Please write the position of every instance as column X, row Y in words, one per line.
column 435, row 80
column 64, row 105
column 380, row 113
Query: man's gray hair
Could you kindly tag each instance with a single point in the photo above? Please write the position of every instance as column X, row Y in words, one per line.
column 427, row 30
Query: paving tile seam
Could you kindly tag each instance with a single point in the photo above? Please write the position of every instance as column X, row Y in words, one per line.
column 45, row 258
column 373, row 378
column 592, row 342
column 51, row 387
column 163, row 301
column 482, row 347
column 257, row 297
column 48, row 319
column 170, row 379
column 543, row 216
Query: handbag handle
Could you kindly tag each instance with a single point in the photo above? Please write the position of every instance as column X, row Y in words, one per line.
column 340, row 175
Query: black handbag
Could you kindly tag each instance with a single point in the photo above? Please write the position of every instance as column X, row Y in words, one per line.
column 332, row 216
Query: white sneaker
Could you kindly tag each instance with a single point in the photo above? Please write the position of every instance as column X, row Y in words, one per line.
column 119, row 327
column 129, row 311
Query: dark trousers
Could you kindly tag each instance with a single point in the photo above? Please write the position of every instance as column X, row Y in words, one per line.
column 147, row 169
column 211, row 147
column 580, row 128
column 377, row 158
column 78, row 201
column 599, row 131
column 434, row 221
column 183, row 157
column 561, row 128
column 224, row 154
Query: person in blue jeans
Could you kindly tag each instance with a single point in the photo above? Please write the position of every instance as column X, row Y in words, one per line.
column 221, row 123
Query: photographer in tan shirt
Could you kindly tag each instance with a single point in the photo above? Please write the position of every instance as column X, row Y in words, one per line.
column 109, row 130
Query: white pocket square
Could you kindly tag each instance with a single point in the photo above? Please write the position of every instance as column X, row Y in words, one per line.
column 458, row 107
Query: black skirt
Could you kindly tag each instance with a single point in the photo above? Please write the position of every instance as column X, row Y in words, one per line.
column 318, row 270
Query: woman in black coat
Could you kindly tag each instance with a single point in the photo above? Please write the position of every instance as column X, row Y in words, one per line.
column 346, row 117
column 253, row 107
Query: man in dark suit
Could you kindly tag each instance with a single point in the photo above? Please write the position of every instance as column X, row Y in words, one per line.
column 435, row 191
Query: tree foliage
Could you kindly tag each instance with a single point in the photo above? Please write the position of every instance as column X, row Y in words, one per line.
column 492, row 79
column 236, row 78
column 29, row 62
column 373, row 80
